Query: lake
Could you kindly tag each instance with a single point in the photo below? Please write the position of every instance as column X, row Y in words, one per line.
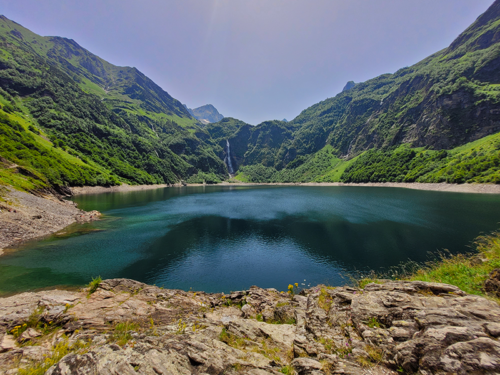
column 226, row 238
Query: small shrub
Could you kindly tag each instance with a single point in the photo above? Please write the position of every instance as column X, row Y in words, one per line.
column 324, row 300
column 288, row 370
column 58, row 352
column 368, row 280
column 181, row 327
column 94, row 284
column 122, row 333
column 364, row 362
column 232, row 340
column 376, row 354
column 293, row 289
column 373, row 323
column 327, row 367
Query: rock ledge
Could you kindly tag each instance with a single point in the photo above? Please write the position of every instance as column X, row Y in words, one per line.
column 127, row 327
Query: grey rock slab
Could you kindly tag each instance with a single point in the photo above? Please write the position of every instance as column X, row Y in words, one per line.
column 429, row 328
column 7, row 343
column 305, row 366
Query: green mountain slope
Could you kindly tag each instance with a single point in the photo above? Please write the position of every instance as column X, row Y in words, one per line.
column 114, row 119
column 67, row 117
column 447, row 100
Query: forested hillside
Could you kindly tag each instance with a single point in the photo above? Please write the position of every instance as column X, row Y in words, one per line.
column 447, row 100
column 67, row 117
column 114, row 121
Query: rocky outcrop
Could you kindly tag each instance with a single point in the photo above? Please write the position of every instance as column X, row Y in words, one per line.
column 349, row 85
column 26, row 216
column 206, row 113
column 127, row 327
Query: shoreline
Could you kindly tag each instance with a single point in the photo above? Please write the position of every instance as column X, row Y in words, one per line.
column 83, row 190
column 443, row 187
column 25, row 217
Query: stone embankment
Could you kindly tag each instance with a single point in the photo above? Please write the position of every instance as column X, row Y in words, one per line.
column 25, row 216
column 126, row 327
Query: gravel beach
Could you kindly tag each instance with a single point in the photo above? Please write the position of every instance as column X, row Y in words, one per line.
column 455, row 188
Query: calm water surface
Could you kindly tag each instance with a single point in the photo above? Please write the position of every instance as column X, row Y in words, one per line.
column 229, row 238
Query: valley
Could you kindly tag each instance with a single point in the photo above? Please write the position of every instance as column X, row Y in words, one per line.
column 436, row 121
column 134, row 229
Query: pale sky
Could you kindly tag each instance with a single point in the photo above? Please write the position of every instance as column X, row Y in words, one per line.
column 254, row 60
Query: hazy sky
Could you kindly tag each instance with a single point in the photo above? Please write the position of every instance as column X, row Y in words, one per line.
column 254, row 60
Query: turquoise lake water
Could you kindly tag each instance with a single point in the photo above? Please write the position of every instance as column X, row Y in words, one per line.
column 223, row 238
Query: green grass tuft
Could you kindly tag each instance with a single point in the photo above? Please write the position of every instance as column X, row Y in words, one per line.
column 465, row 271
column 94, row 284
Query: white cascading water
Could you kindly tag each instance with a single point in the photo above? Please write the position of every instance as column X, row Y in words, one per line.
column 228, row 157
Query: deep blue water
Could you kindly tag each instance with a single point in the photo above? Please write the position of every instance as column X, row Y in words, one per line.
column 218, row 238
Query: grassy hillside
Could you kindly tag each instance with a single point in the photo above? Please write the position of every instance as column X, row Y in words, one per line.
column 112, row 119
column 474, row 162
column 69, row 117
column 449, row 99
column 30, row 162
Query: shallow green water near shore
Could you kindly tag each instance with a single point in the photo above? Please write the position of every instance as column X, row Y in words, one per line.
column 218, row 238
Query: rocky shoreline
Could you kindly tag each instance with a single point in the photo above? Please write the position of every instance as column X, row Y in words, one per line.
column 444, row 187
column 25, row 217
column 81, row 190
column 126, row 327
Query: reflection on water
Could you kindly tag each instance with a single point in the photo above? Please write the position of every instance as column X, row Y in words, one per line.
column 229, row 238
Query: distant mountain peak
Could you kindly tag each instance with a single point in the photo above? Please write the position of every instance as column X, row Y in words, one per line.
column 349, row 85
column 206, row 113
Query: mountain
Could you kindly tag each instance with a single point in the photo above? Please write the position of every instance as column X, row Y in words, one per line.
column 64, row 106
column 448, row 100
column 206, row 114
column 349, row 85
column 68, row 117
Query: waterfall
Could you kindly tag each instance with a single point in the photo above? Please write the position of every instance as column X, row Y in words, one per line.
column 228, row 157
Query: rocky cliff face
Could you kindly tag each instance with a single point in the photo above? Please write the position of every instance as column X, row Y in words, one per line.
column 126, row 327
column 206, row 114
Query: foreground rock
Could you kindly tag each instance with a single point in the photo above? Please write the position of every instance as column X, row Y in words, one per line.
column 25, row 216
column 126, row 327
